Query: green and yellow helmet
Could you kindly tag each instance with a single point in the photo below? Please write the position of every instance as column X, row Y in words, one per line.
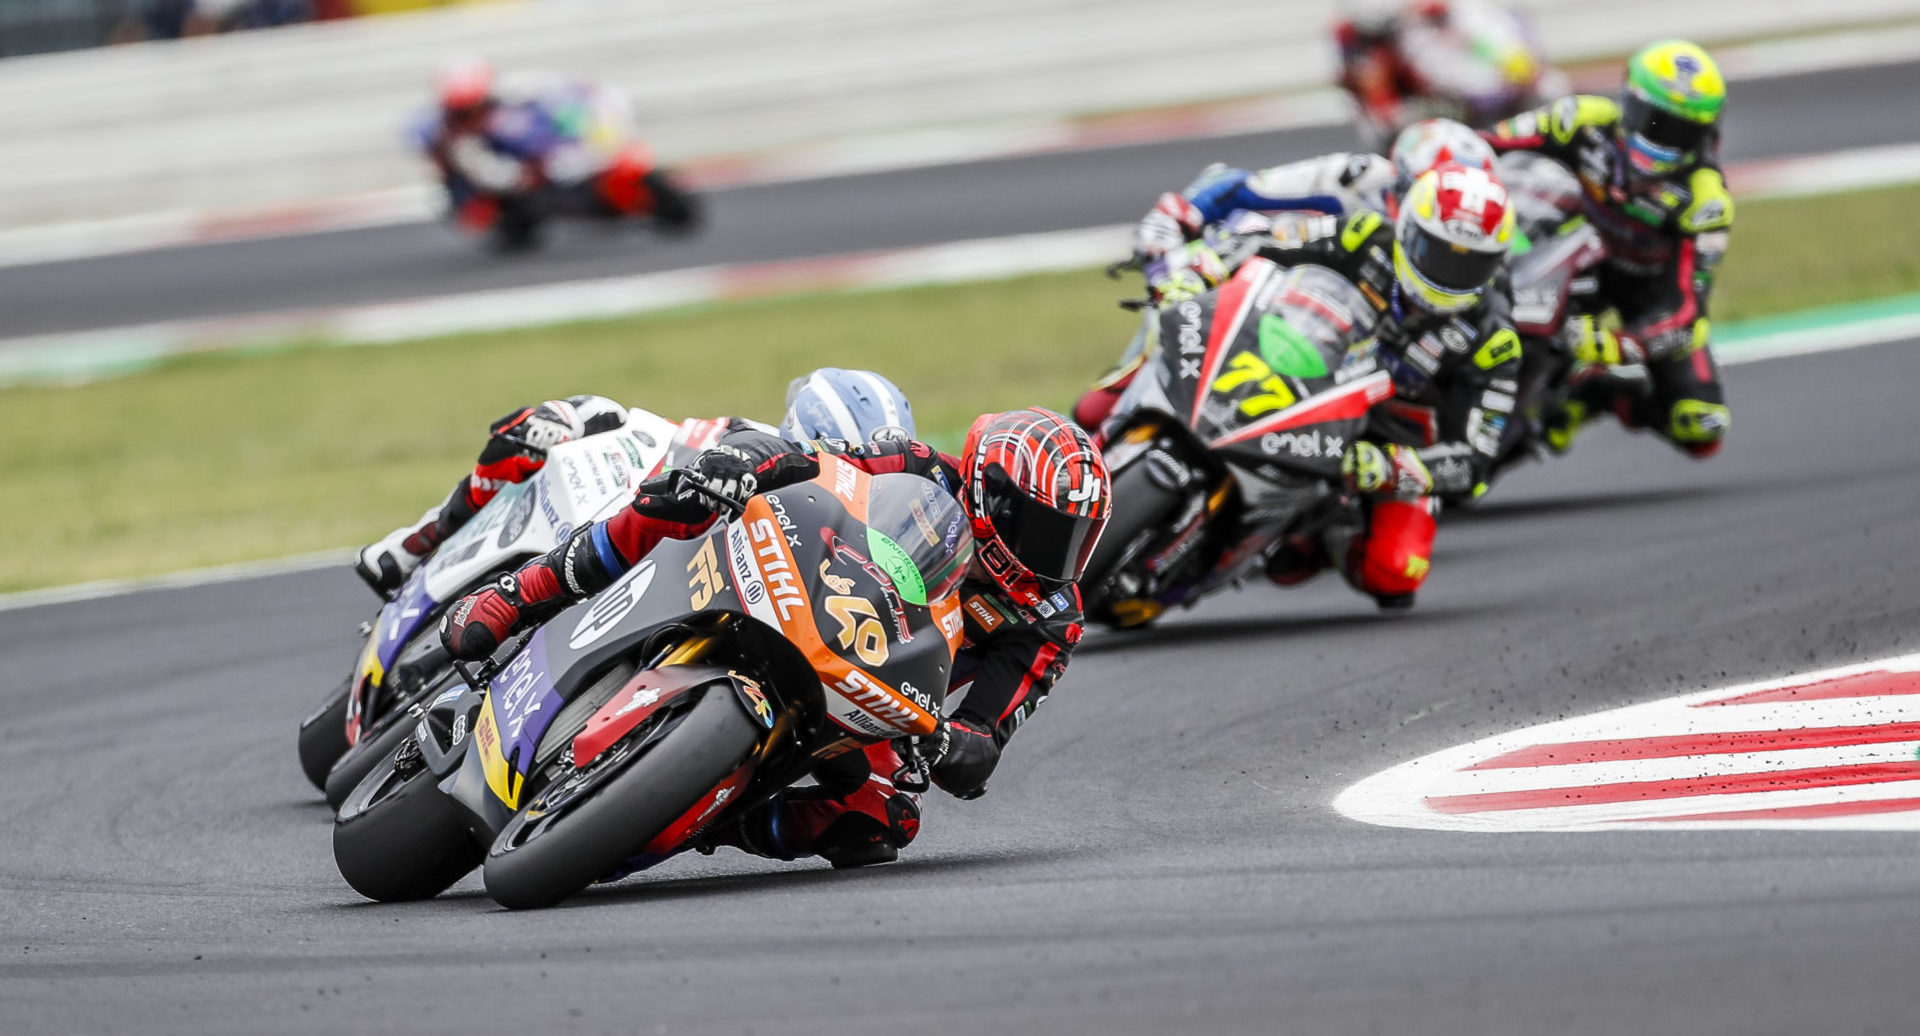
column 1670, row 106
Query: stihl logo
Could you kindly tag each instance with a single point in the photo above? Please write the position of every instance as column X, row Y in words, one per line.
column 774, row 565
column 874, row 698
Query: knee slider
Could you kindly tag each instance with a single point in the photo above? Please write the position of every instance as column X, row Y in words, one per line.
column 1696, row 425
column 1391, row 559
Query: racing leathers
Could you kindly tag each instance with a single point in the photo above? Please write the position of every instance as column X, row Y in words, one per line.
column 1332, row 184
column 1009, row 661
column 536, row 133
column 1454, row 374
column 1665, row 234
column 516, row 449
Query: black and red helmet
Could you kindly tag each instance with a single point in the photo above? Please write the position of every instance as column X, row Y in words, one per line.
column 1037, row 495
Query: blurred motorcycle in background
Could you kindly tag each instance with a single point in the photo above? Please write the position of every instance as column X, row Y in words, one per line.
column 1466, row 60
column 534, row 148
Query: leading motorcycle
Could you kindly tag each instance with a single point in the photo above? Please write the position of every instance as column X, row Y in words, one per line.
column 1231, row 434
column 821, row 619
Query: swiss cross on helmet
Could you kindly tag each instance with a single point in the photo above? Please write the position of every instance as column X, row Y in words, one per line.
column 1451, row 236
column 1037, row 494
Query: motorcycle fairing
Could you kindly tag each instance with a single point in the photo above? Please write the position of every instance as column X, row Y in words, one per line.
column 1270, row 405
column 773, row 573
column 584, row 480
column 800, row 558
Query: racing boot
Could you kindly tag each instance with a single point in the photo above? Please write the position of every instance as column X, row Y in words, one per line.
column 1296, row 559
column 385, row 565
column 811, row 822
column 1562, row 423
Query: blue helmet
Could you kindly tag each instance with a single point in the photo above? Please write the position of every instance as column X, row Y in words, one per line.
column 858, row 406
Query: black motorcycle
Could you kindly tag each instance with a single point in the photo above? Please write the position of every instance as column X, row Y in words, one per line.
column 1231, row 434
column 713, row 674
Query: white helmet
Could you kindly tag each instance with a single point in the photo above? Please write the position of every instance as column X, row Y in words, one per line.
column 1431, row 142
column 1451, row 237
column 857, row 406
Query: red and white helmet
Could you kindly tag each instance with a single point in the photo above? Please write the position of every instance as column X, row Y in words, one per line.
column 1451, row 237
column 465, row 86
column 1432, row 142
column 1037, row 494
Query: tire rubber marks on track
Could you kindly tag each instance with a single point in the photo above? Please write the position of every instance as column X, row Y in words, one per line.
column 1835, row 749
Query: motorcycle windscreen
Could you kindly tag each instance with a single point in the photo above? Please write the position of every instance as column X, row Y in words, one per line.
column 1308, row 325
column 918, row 535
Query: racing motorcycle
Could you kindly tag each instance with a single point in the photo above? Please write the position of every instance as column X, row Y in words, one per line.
column 1231, row 434
column 820, row 619
column 1465, row 60
column 401, row 661
column 588, row 165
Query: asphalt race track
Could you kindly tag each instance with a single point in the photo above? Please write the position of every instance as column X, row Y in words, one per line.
column 1766, row 118
column 1157, row 854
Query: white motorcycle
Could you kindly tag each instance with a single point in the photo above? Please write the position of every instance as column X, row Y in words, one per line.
column 402, row 663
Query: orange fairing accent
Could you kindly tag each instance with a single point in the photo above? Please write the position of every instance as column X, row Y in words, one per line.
column 839, row 677
column 847, row 483
column 953, row 625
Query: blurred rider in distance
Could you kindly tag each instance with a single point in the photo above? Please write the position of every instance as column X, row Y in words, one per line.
column 1461, row 59
column 827, row 403
column 496, row 141
column 1649, row 169
column 1036, row 493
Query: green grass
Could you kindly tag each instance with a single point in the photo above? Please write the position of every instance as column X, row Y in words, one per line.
column 239, row 456
column 1794, row 253
column 234, row 457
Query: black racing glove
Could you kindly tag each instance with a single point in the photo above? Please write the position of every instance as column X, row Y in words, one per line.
column 728, row 471
column 970, row 756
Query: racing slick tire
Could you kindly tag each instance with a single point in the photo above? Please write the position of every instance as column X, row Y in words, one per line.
column 323, row 738
column 398, row 837
column 538, row 861
column 1140, row 505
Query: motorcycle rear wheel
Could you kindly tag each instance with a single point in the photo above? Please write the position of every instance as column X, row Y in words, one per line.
column 399, row 838
column 533, row 866
column 1141, row 504
column 675, row 209
column 323, row 738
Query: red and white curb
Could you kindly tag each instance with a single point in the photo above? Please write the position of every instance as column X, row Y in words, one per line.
column 1834, row 749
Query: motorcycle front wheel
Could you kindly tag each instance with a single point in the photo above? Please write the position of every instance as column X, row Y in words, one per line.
column 563, row 841
column 398, row 837
column 323, row 738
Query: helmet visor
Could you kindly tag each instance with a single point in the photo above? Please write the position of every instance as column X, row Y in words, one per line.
column 1053, row 545
column 1449, row 267
column 1663, row 130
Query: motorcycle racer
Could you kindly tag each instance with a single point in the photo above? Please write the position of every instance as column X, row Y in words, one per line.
column 1436, row 274
column 1648, row 164
column 829, row 402
column 1174, row 244
column 497, row 140
column 1035, row 491
column 1460, row 59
